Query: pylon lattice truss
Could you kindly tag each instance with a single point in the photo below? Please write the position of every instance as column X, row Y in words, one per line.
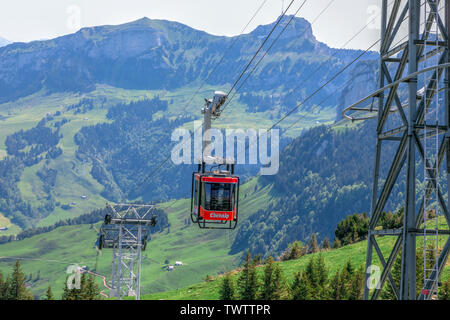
column 126, row 230
column 412, row 113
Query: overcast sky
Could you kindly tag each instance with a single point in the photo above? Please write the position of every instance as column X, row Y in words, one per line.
column 26, row 20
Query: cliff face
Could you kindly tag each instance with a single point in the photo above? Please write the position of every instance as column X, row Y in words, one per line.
column 365, row 80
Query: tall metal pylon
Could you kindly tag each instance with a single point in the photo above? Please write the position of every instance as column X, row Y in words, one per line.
column 413, row 113
column 126, row 230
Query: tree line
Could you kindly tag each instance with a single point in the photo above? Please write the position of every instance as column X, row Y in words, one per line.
column 14, row 287
column 266, row 281
column 312, row 283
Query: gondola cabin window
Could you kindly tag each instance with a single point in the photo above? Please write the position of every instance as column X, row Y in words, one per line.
column 218, row 196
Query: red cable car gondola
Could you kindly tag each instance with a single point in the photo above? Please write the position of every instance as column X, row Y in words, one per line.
column 215, row 197
column 215, row 193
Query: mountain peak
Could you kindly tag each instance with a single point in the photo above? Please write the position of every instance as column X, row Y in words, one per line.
column 4, row 42
column 297, row 27
column 141, row 21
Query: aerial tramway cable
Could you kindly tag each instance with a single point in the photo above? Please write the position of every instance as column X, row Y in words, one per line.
column 233, row 86
column 200, row 87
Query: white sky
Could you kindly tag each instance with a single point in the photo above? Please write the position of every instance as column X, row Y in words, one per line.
column 26, row 20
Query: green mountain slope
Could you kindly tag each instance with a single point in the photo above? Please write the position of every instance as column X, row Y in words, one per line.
column 201, row 251
column 335, row 259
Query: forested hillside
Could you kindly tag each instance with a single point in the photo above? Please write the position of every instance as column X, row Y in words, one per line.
column 325, row 175
column 125, row 151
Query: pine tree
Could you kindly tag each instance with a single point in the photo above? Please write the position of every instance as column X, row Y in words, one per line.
column 419, row 270
column 301, row 288
column 313, row 245
column 316, row 274
column 267, row 287
column 74, row 293
column 17, row 287
column 294, row 251
column 350, row 270
column 297, row 250
column 337, row 290
column 311, row 273
column 66, row 292
column 322, row 277
column 388, row 293
column 91, row 290
column 6, row 290
column 326, row 244
column 227, row 291
column 278, row 284
column 273, row 282
column 257, row 259
column 248, row 280
column 49, row 294
column 337, row 243
column 357, row 285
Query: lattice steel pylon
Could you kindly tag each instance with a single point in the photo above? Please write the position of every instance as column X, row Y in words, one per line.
column 126, row 230
column 419, row 128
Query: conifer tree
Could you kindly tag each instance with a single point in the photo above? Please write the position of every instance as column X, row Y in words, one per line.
column 248, row 280
column 297, row 250
column 273, row 282
column 349, row 269
column 322, row 271
column 88, row 290
column 257, row 259
column 91, row 290
column 227, row 291
column 301, row 288
column 337, row 243
column 313, row 245
column 311, row 273
column 357, row 285
column 322, row 278
column 388, row 293
column 267, row 286
column 49, row 294
column 326, row 244
column 419, row 270
column 74, row 293
column 278, row 284
column 294, row 251
column 337, row 290
column 17, row 287
column 66, row 292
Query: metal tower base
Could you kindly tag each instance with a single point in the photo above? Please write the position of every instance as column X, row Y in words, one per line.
column 126, row 230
